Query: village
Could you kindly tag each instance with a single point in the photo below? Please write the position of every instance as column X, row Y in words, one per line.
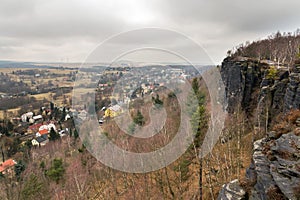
column 36, row 130
column 54, row 120
column 128, row 86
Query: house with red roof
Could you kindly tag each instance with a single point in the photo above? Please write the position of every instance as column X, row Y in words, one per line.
column 33, row 128
column 6, row 166
column 42, row 132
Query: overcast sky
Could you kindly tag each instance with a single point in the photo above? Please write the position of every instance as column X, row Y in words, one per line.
column 68, row 30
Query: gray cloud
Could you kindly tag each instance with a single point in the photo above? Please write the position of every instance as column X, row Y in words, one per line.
column 57, row 30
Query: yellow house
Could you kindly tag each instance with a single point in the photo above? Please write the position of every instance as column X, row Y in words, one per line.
column 113, row 111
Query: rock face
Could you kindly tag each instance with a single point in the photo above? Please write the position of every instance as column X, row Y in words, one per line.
column 241, row 79
column 247, row 85
column 261, row 170
column 292, row 96
column 256, row 89
column 284, row 168
column 274, row 172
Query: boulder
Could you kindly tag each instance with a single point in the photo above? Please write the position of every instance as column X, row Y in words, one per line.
column 232, row 191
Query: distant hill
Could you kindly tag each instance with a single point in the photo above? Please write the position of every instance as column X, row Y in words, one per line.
column 13, row 64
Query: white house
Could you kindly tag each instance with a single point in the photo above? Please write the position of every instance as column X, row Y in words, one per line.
column 37, row 117
column 40, row 141
column 48, row 127
column 26, row 116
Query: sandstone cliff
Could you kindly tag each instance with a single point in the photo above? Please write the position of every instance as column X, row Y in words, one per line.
column 248, row 82
column 263, row 91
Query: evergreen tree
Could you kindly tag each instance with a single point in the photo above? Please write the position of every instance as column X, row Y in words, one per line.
column 157, row 102
column 19, row 168
column 51, row 106
column 53, row 135
column 76, row 135
column 200, row 96
column 71, row 132
column 139, row 119
column 197, row 111
column 56, row 170
column 199, row 123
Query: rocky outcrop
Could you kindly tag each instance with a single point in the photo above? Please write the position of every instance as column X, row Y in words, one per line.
column 241, row 78
column 247, row 85
column 262, row 93
column 274, row 172
column 261, row 171
column 271, row 96
column 284, row 168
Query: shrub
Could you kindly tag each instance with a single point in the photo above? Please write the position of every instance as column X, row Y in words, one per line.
column 293, row 116
column 275, row 193
column 56, row 170
column 247, row 185
column 272, row 73
column 131, row 128
column 32, row 187
column 19, row 168
column 139, row 119
column 183, row 168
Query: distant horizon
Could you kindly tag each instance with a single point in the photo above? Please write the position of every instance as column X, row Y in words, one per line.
column 36, row 63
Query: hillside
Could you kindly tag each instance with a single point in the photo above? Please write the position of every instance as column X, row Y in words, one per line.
column 269, row 94
column 274, row 172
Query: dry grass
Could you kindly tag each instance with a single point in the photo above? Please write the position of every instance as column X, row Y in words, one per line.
column 286, row 123
column 275, row 193
column 228, row 153
column 40, row 97
column 10, row 112
column 293, row 116
column 247, row 185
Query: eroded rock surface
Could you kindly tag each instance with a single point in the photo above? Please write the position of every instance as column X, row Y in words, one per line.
column 274, row 171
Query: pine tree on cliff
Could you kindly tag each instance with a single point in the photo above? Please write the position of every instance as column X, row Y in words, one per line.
column 197, row 111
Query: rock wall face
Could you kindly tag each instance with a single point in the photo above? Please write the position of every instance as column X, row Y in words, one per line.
column 274, row 172
column 241, row 79
column 275, row 169
column 292, row 96
column 249, row 86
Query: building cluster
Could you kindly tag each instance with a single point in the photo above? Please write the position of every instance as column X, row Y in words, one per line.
column 37, row 128
column 144, row 81
column 126, row 86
